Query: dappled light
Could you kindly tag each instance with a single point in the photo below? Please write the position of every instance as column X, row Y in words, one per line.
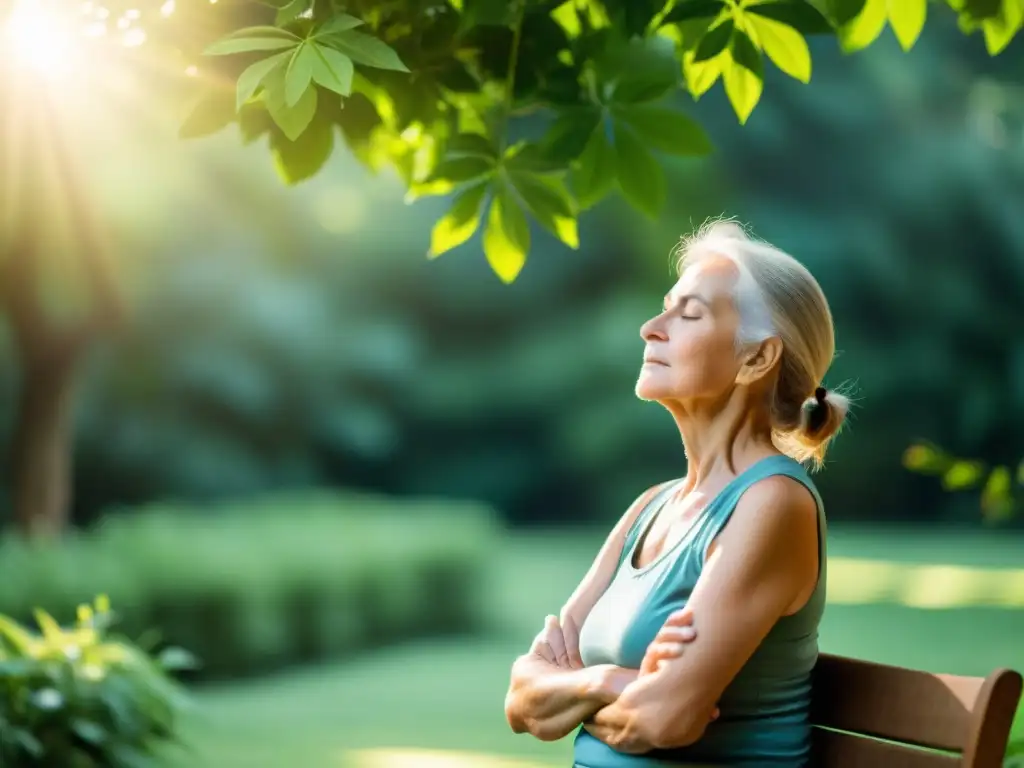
column 855, row 581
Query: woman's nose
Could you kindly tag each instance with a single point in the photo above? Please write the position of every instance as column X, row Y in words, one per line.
column 652, row 331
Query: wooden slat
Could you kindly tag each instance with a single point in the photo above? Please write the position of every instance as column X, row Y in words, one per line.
column 846, row 750
column 990, row 723
column 894, row 703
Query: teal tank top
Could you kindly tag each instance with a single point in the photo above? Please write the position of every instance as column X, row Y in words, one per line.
column 765, row 711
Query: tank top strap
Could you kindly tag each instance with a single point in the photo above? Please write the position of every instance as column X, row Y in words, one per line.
column 654, row 503
column 722, row 506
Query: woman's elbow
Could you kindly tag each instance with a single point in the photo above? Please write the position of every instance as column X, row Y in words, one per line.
column 539, row 729
column 513, row 713
column 678, row 732
column 517, row 713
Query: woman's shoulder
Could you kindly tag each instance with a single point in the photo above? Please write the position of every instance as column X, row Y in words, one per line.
column 779, row 481
column 777, row 508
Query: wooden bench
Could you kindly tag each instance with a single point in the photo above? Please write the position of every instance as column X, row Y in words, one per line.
column 876, row 716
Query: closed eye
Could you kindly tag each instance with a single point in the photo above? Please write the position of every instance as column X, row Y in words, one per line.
column 688, row 310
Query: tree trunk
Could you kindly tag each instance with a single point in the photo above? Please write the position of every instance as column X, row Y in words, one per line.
column 41, row 449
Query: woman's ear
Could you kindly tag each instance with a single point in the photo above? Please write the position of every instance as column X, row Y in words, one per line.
column 761, row 361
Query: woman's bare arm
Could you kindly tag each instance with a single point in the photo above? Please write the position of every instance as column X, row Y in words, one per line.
column 549, row 698
column 549, row 701
column 765, row 561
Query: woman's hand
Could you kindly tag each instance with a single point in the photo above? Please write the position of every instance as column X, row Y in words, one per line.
column 558, row 645
column 670, row 641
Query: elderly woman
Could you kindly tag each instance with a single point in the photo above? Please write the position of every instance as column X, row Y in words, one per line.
column 692, row 638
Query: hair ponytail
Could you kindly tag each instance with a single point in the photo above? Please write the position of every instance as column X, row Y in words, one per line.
column 821, row 418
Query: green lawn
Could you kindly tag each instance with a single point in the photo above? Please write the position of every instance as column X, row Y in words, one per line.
column 443, row 699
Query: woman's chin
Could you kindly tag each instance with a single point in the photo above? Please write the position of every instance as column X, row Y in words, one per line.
column 648, row 390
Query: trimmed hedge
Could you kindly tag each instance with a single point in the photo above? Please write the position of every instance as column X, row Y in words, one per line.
column 255, row 587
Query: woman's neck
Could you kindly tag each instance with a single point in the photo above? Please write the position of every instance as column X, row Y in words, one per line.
column 721, row 439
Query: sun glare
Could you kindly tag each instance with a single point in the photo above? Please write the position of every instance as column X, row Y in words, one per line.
column 40, row 39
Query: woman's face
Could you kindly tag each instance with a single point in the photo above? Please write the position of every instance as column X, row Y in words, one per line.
column 690, row 347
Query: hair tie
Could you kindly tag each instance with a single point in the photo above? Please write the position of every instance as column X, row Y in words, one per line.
column 818, row 416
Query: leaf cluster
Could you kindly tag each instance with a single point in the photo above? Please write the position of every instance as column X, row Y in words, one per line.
column 77, row 697
column 436, row 89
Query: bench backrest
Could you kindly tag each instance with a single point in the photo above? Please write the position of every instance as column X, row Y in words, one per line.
column 877, row 716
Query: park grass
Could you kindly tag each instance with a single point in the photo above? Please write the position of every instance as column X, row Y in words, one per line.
column 895, row 596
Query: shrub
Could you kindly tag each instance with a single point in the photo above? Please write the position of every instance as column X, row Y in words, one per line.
column 79, row 698
column 249, row 588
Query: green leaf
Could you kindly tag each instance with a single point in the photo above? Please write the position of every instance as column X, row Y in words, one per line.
column 291, row 12
column 687, row 10
column 701, row 75
column 460, row 223
column 341, row 22
column 366, row 50
column 257, row 42
column 265, row 30
column 743, row 75
column 638, row 71
column 567, row 138
column 332, row 69
column 253, row 122
column 842, row 12
column 977, row 10
column 640, row 177
column 784, row 46
column 88, row 731
column 461, row 169
column 254, row 75
column 28, row 742
column 292, row 120
column 17, row 638
column 506, row 237
column 52, row 631
column 593, row 175
column 996, row 499
column 715, row 41
column 567, row 17
column 299, row 74
column 549, row 202
column 477, row 13
column 865, row 28
column 798, row 14
column 637, row 90
column 1001, row 29
column 926, row 459
column 963, row 474
column 531, row 158
column 298, row 159
column 907, row 17
column 666, row 130
column 472, row 145
column 212, row 113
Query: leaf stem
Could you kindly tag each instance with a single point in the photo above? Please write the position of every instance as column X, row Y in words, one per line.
column 510, row 76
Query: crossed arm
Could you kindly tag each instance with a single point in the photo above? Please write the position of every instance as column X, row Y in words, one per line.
column 763, row 566
column 551, row 692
